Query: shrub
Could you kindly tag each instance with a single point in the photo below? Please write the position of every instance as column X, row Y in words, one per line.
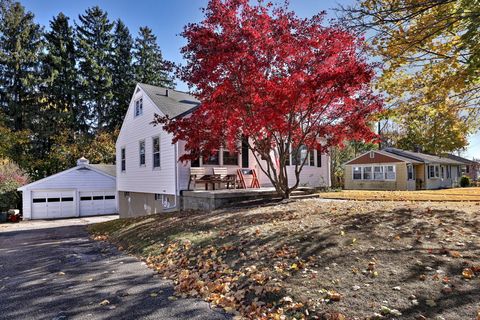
column 464, row 182
column 11, row 178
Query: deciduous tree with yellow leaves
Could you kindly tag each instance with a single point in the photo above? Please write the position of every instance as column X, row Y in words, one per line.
column 430, row 57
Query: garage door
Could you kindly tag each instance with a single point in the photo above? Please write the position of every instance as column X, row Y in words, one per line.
column 97, row 202
column 53, row 204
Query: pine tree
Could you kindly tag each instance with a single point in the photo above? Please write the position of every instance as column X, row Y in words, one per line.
column 95, row 45
column 60, row 74
column 123, row 80
column 149, row 65
column 20, row 47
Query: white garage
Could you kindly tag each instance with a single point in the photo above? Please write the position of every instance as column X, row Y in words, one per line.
column 85, row 190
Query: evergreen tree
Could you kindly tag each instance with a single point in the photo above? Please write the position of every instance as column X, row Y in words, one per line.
column 123, row 79
column 95, row 45
column 60, row 75
column 20, row 47
column 149, row 65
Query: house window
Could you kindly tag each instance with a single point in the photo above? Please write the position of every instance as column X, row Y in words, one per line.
column 442, row 170
column 156, row 152
column 378, row 173
column 230, row 158
column 311, row 156
column 367, row 173
column 390, row 173
column 141, row 151
column 158, row 197
column 123, row 160
column 357, row 173
column 372, row 154
column 138, row 107
column 301, row 155
column 449, row 172
column 433, row 171
column 410, row 172
column 213, row 159
column 319, row 158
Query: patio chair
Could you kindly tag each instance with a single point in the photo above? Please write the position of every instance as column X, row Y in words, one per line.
column 221, row 176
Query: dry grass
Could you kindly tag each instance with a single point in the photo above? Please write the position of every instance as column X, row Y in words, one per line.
column 456, row 194
column 312, row 259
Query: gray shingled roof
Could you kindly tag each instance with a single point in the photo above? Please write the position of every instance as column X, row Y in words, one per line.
column 422, row 157
column 176, row 104
column 109, row 169
column 461, row 159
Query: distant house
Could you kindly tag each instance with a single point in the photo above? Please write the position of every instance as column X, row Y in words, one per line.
column 470, row 168
column 150, row 178
column 396, row 169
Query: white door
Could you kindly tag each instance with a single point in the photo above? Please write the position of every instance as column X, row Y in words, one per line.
column 94, row 203
column 53, row 204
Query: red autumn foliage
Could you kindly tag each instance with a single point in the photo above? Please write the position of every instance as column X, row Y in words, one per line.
column 284, row 82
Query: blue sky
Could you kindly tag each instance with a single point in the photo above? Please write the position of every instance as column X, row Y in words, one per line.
column 167, row 19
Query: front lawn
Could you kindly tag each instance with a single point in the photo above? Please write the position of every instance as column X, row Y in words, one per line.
column 317, row 260
column 456, row 194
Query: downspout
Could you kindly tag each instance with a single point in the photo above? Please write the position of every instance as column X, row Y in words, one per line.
column 177, row 187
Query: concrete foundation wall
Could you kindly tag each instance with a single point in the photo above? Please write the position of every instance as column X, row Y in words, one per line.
column 136, row 204
column 208, row 201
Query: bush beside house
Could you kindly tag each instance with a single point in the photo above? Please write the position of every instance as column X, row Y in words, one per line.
column 465, row 182
column 11, row 177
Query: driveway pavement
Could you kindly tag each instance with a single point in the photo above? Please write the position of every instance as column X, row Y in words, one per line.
column 52, row 270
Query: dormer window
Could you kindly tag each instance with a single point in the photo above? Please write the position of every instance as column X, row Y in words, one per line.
column 138, row 107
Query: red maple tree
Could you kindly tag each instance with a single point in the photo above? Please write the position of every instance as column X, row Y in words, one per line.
column 284, row 82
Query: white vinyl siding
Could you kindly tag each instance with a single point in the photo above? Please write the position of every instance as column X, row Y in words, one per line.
column 144, row 179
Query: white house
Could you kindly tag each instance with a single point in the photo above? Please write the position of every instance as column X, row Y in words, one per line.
column 149, row 176
column 84, row 190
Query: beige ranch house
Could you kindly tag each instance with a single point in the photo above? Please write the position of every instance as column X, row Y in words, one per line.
column 151, row 180
column 396, row 169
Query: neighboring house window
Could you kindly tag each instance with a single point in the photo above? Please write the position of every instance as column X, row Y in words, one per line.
column 367, row 173
column 410, row 172
column 357, row 173
column 468, row 169
column 378, row 173
column 319, row 158
column 433, row 171
column 158, row 197
column 138, row 107
column 442, row 170
column 372, row 155
column 141, row 151
column 123, row 159
column 230, row 158
column 449, row 172
column 390, row 173
column 156, row 152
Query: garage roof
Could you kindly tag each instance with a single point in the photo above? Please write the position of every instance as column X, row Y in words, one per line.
column 104, row 169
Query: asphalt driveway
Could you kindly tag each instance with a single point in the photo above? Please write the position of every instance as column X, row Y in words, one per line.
column 52, row 270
